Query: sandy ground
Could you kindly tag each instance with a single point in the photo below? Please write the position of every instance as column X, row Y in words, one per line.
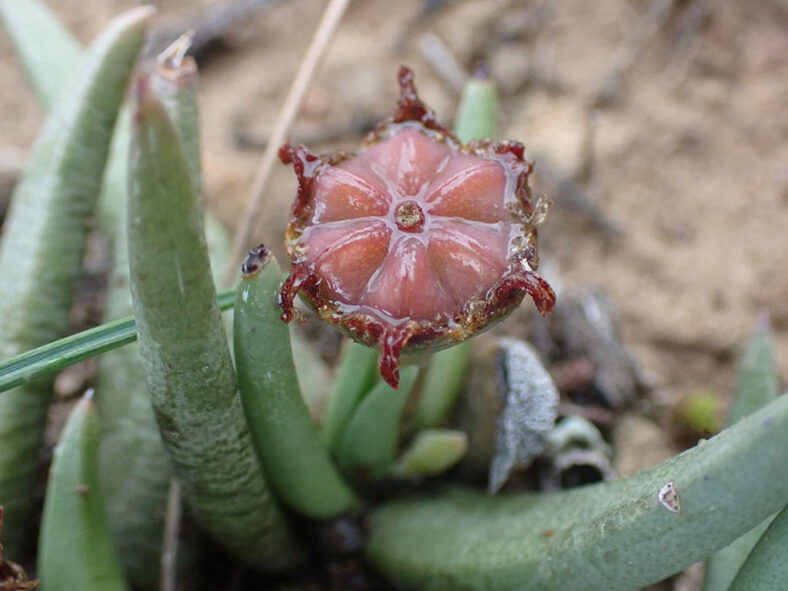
column 686, row 154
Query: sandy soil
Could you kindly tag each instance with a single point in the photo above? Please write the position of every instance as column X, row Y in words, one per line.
column 687, row 155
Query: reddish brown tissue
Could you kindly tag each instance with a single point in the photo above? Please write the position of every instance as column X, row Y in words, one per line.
column 415, row 241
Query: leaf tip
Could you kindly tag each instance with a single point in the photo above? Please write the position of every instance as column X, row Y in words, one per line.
column 764, row 323
column 144, row 13
column 87, row 403
column 174, row 67
column 173, row 56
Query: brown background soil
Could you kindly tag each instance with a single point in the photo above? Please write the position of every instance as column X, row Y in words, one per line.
column 689, row 160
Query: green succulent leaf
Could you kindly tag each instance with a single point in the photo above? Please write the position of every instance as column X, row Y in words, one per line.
column 184, row 349
column 76, row 549
column 48, row 51
column 431, row 452
column 756, row 386
column 766, row 566
column 756, row 378
column 477, row 113
column 134, row 466
column 369, row 443
column 44, row 241
column 175, row 82
column 293, row 453
column 135, row 469
column 442, row 383
column 358, row 371
column 621, row 534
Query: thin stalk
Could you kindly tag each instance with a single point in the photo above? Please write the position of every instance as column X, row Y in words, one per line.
column 369, row 444
column 444, row 379
column 358, row 371
column 58, row 355
column 306, row 72
column 172, row 528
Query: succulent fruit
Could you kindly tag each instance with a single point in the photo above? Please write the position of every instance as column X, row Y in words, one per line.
column 416, row 241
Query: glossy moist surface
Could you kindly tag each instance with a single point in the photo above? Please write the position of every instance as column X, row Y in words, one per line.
column 417, row 239
column 409, row 229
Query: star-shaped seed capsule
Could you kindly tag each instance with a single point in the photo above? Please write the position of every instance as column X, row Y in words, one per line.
column 417, row 240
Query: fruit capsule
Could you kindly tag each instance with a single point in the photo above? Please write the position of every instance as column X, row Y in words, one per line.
column 417, row 240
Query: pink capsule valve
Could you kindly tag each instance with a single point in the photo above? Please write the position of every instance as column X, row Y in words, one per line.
column 415, row 241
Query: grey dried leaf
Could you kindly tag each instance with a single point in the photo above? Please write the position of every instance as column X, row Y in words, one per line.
column 576, row 454
column 530, row 410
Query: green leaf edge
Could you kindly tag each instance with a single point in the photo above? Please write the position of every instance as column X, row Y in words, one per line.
column 756, row 385
column 591, row 537
column 766, row 566
column 76, row 549
column 59, row 354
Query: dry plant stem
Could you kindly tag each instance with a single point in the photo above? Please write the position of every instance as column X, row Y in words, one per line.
column 172, row 527
column 306, row 71
column 443, row 61
column 209, row 25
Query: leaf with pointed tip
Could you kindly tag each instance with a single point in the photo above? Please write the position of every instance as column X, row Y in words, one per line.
column 44, row 241
column 184, row 350
column 76, row 549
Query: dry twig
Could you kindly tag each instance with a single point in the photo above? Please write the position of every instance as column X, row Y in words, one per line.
column 172, row 528
column 209, row 25
column 630, row 50
column 306, row 71
column 443, row 61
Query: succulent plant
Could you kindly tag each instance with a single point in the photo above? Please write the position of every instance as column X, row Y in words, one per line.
column 446, row 219
column 416, row 241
